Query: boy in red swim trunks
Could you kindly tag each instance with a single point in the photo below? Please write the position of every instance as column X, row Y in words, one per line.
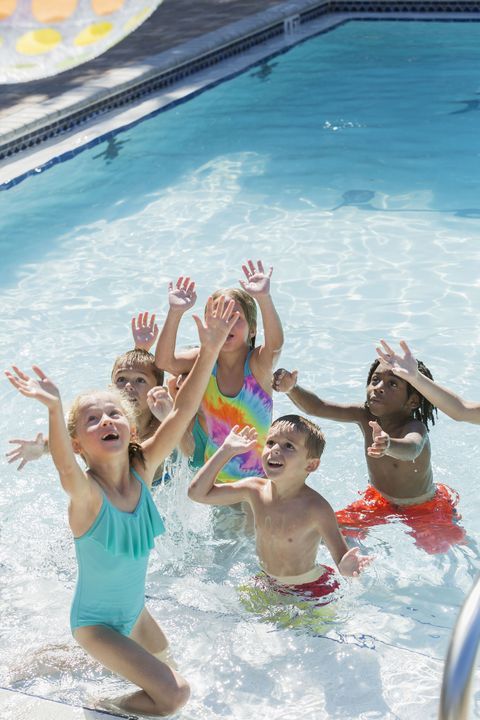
column 290, row 518
column 394, row 421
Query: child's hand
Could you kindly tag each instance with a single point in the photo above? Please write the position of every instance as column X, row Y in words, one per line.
column 406, row 366
column 258, row 282
column 144, row 332
column 219, row 320
column 352, row 564
column 159, row 402
column 240, row 441
column 43, row 389
column 381, row 441
column 26, row 451
column 183, row 296
column 283, row 380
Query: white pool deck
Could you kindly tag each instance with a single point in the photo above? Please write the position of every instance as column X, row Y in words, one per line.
column 179, row 30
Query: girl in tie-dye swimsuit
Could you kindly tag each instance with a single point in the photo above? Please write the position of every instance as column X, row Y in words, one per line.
column 239, row 391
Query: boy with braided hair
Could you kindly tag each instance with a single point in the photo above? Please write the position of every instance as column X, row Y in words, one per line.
column 394, row 420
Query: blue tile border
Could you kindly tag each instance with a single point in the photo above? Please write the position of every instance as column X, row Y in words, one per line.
column 382, row 10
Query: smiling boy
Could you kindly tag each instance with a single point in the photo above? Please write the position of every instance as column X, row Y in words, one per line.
column 291, row 519
column 394, row 421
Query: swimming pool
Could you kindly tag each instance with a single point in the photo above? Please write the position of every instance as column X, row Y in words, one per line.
column 361, row 189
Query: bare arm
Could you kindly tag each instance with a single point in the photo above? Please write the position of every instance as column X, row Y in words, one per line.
column 407, row 447
column 218, row 322
column 308, row 402
column 349, row 562
column 203, row 489
column 257, row 284
column 445, row 400
column 180, row 299
column 42, row 389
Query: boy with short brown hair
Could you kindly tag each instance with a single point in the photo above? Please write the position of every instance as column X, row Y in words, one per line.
column 291, row 519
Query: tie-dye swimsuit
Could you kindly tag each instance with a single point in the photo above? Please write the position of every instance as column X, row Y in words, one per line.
column 252, row 406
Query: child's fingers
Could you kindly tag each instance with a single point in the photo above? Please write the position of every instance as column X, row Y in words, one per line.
column 39, row 372
column 405, row 347
column 387, row 347
column 260, row 267
column 20, row 373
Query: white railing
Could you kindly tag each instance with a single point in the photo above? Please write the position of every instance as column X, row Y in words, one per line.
column 460, row 662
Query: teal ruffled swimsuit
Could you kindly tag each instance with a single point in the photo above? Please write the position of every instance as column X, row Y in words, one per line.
column 112, row 559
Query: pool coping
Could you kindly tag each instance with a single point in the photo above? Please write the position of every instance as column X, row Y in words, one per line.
column 114, row 90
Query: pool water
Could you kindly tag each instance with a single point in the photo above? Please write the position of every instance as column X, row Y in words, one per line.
column 350, row 164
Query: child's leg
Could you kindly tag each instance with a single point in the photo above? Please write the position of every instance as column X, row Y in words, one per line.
column 163, row 691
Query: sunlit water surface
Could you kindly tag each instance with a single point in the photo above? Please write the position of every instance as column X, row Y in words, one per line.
column 350, row 164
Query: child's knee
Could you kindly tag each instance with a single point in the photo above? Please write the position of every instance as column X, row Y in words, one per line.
column 178, row 696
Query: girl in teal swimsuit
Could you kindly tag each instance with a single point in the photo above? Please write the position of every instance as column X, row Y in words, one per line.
column 114, row 520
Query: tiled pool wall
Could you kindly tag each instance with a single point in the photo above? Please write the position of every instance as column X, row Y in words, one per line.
column 275, row 22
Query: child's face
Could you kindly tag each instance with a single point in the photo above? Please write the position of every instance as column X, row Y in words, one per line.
column 102, row 426
column 135, row 382
column 388, row 394
column 285, row 454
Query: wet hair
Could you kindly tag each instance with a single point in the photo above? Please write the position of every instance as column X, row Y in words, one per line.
column 426, row 411
column 138, row 359
column 134, row 448
column 248, row 305
column 314, row 437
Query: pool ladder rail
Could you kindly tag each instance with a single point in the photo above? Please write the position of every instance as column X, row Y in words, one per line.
column 459, row 665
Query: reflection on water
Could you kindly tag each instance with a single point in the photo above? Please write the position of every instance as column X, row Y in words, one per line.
column 359, row 253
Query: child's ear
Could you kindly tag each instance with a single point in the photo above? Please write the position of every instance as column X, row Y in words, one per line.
column 413, row 401
column 76, row 446
column 313, row 464
column 134, row 434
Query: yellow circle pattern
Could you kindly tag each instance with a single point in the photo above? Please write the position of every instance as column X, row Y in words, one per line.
column 93, row 33
column 38, row 42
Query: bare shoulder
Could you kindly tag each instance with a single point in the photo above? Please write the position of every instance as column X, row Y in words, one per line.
column 318, row 505
column 414, row 426
column 261, row 371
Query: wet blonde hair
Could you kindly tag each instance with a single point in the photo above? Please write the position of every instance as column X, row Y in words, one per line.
column 248, row 305
column 134, row 448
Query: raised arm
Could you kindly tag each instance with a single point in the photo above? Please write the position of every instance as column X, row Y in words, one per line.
column 180, row 299
column 144, row 331
column 203, row 489
column 407, row 447
column 406, row 366
column 219, row 319
column 257, row 284
column 45, row 391
column 308, row 402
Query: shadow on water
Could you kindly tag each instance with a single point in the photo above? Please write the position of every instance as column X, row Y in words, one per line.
column 361, row 200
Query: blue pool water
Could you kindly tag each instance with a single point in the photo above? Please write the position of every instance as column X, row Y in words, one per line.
column 350, row 164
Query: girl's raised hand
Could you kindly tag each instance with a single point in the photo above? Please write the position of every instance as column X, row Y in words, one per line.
column 144, row 331
column 240, row 441
column 183, row 296
column 41, row 389
column 220, row 318
column 406, row 366
column 26, row 451
column 257, row 280
column 159, row 402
